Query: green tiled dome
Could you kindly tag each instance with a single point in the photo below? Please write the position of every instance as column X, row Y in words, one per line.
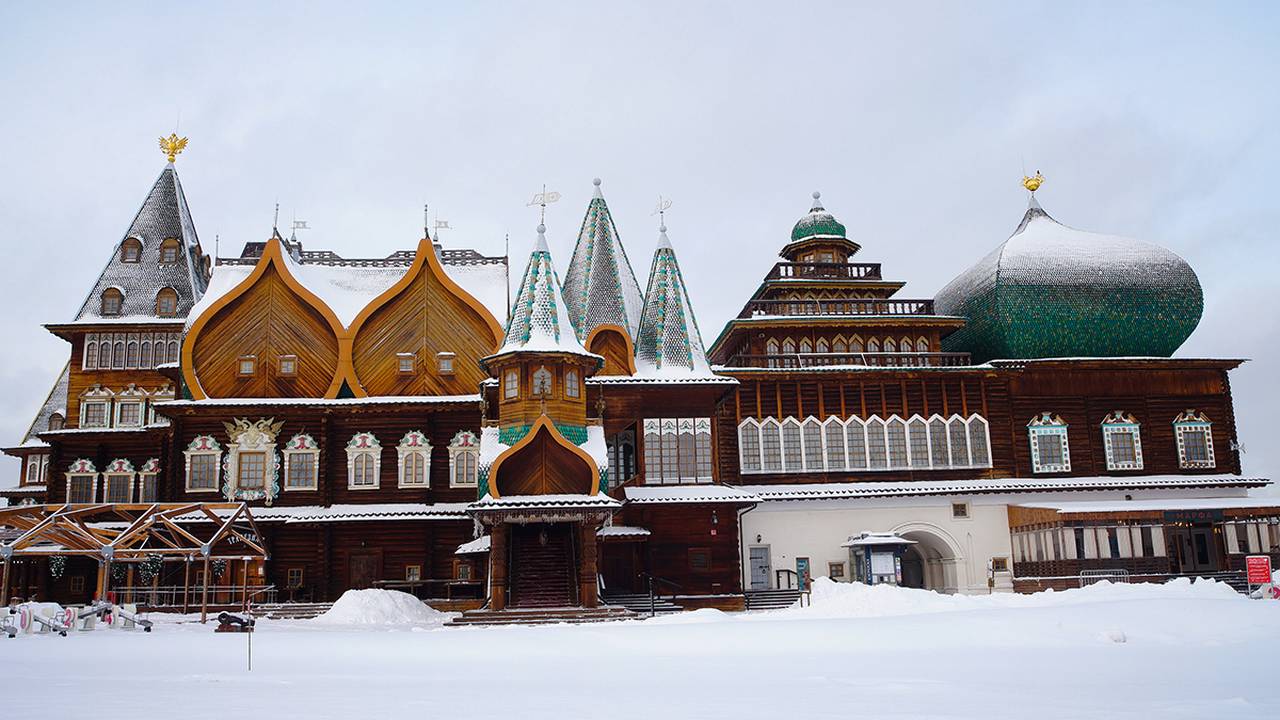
column 817, row 223
column 1053, row 291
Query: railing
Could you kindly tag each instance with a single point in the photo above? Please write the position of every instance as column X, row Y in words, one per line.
column 836, row 307
column 471, row 589
column 819, row 271
column 1089, row 577
column 792, row 579
column 653, row 581
column 175, row 596
column 881, row 359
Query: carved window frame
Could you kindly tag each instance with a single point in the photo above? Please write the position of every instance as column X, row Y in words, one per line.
column 203, row 446
column 1118, row 424
column 82, row 468
column 301, row 445
column 464, row 451
column 414, row 448
column 1194, row 421
column 364, row 447
column 1048, row 425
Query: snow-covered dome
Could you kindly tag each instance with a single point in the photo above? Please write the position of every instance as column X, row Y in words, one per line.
column 1054, row 291
column 817, row 223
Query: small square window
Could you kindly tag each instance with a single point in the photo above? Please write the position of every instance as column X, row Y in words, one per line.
column 294, row 578
column 130, row 414
column 405, row 363
column 835, row 570
column 288, row 365
column 247, row 366
column 444, row 363
column 95, row 415
column 77, row 584
column 699, row 559
column 463, row 571
column 412, row 573
column 960, row 510
column 1000, row 564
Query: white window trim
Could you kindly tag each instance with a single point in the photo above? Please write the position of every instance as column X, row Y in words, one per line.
column 1115, row 424
column 1048, row 424
column 375, row 451
column 301, row 445
column 120, row 403
column 414, row 443
column 455, row 450
column 511, row 384
column 1191, row 421
column 572, row 384
column 669, row 429
column 130, row 477
column 141, row 483
column 215, row 452
column 106, row 412
column 83, row 469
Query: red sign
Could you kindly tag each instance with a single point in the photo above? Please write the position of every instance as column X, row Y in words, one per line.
column 1258, row 569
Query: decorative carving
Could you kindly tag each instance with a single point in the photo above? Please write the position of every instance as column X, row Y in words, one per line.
column 258, row 436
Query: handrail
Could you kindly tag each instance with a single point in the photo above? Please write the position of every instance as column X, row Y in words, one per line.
column 874, row 359
column 653, row 595
column 851, row 271
column 837, row 307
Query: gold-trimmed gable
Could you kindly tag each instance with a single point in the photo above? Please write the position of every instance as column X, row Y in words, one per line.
column 544, row 462
column 613, row 344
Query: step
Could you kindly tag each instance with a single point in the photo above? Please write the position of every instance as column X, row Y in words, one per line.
column 771, row 599
column 640, row 604
column 541, row 616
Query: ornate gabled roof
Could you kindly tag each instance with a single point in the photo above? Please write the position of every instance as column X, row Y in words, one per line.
column 668, row 341
column 600, row 287
column 539, row 317
column 1054, row 291
column 56, row 402
column 163, row 215
column 818, row 223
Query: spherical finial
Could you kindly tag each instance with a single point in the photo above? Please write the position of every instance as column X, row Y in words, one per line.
column 816, row 194
column 1032, row 184
column 596, row 182
column 662, row 228
column 541, row 228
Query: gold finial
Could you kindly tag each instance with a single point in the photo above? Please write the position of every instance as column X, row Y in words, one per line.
column 1032, row 183
column 173, row 145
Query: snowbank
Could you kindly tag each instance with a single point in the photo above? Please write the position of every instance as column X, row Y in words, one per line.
column 851, row 600
column 380, row 607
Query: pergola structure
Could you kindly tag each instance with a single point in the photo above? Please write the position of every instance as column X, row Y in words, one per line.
column 110, row 532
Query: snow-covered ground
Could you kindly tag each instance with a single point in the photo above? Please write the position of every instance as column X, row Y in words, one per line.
column 1176, row 651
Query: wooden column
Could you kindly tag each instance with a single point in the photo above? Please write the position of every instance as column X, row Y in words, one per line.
column 498, row 567
column 204, row 593
column 186, row 585
column 588, row 590
column 4, row 587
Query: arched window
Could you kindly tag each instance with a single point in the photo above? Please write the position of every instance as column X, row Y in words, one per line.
column 771, row 347
column 130, row 250
column 814, row 457
column 90, row 352
column 792, row 459
column 542, row 382
column 57, row 421
column 169, row 250
column 771, row 445
column 979, row 442
column 144, row 360
column 1195, row 439
column 464, row 459
column 788, row 346
column 873, row 345
column 112, row 301
column 749, row 446
column 1049, row 449
column 833, row 437
column 855, row 433
column 414, row 452
column 890, row 345
column 117, row 355
column 511, row 384
column 172, row 355
column 1122, row 440
column 896, row 432
column 131, row 355
column 957, row 430
column 875, row 444
column 806, row 346
column 922, row 345
column 364, row 462
column 822, row 346
column 167, row 302
column 104, row 355
column 938, row 443
column 855, row 344
column 918, row 444
column 571, row 386
column 840, row 345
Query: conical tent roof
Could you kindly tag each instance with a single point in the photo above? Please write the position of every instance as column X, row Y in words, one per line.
column 668, row 342
column 600, row 287
column 163, row 215
column 539, row 317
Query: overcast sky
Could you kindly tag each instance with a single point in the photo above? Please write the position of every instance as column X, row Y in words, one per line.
column 1155, row 121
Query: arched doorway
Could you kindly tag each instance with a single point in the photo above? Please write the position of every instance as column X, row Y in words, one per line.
column 934, row 562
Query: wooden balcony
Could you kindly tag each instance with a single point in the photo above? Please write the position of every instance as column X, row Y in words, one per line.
column 842, row 307
column 880, row 359
column 825, row 271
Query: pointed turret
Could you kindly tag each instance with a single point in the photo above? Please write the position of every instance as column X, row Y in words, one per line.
column 600, row 287
column 157, row 270
column 668, row 342
column 539, row 317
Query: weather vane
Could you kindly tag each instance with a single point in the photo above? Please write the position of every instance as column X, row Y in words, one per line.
column 1033, row 183
column 173, row 146
column 663, row 206
column 542, row 199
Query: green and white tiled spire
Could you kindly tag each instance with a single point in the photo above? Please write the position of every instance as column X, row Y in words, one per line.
column 600, row 286
column 539, row 318
column 668, row 342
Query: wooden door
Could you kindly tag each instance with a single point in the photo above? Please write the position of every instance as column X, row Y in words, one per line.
column 760, row 566
column 363, row 568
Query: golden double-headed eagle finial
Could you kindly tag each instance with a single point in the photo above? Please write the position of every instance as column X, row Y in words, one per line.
column 173, row 145
column 1032, row 184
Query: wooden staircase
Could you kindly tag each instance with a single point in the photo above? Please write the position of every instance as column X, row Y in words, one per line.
column 291, row 611
column 541, row 616
column 542, row 573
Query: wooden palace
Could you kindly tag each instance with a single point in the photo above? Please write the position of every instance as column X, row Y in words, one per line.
column 407, row 422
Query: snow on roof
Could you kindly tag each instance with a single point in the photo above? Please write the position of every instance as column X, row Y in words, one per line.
column 600, row 287
column 622, row 531
column 668, row 343
column 326, row 402
column 874, row 538
column 54, row 402
column 479, row 545
column 671, row 494
column 674, row 378
column 25, row 490
column 544, row 501
column 337, row 513
column 1085, row 506
column 831, row 491
column 539, row 317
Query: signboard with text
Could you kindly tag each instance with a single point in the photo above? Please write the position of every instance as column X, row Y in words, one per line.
column 1257, row 569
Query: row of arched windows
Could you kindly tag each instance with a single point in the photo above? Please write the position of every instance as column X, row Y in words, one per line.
column 835, row 445
column 129, row 351
column 166, row 302
column 842, row 345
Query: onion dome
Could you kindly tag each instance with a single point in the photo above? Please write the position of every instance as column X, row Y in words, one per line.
column 668, row 342
column 1054, row 291
column 818, row 224
column 539, row 317
column 600, row 287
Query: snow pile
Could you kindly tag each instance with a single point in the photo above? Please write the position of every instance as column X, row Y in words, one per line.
column 852, row 600
column 380, row 607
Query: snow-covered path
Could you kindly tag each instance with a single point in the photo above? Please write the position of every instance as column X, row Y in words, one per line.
column 1111, row 653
